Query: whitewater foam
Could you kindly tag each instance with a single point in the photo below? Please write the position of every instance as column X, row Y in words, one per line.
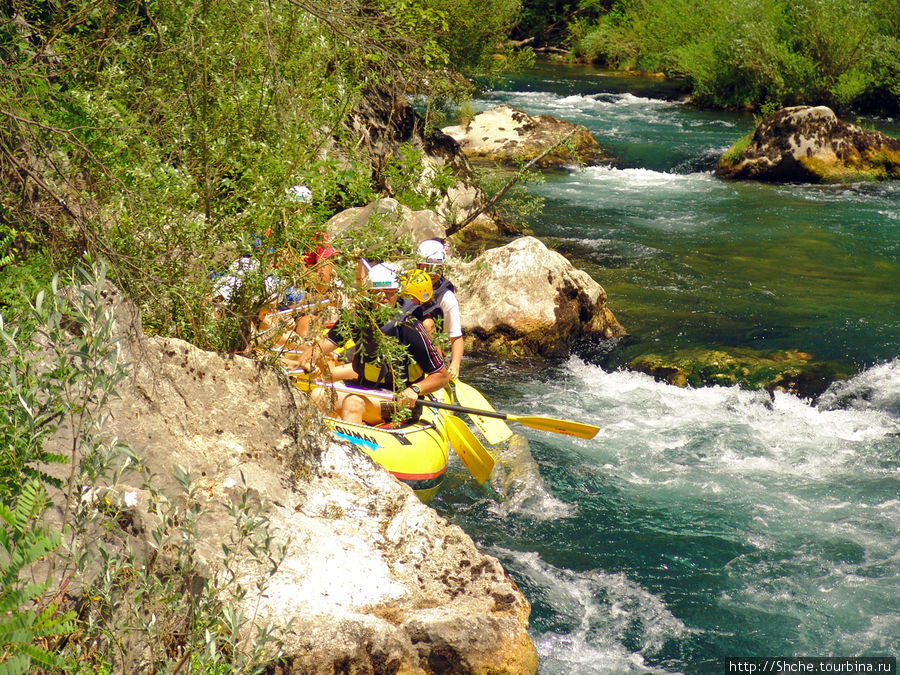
column 877, row 388
column 606, row 623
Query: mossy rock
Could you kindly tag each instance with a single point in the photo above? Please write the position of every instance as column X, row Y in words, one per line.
column 787, row 370
column 810, row 144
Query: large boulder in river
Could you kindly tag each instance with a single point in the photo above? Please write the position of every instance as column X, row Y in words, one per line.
column 507, row 135
column 811, row 145
column 524, row 299
column 372, row 580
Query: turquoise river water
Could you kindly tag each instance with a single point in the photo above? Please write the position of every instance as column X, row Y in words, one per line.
column 707, row 523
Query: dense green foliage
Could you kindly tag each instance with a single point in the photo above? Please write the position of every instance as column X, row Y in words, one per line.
column 548, row 21
column 74, row 594
column 475, row 34
column 25, row 621
column 164, row 136
column 842, row 53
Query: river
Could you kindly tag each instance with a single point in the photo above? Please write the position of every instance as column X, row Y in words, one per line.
column 715, row 522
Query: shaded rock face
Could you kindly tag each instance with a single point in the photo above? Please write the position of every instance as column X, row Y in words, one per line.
column 810, row 144
column 524, row 299
column 506, row 135
column 373, row 581
column 383, row 122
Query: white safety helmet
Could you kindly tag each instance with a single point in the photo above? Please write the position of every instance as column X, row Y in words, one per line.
column 432, row 252
column 384, row 276
column 301, row 193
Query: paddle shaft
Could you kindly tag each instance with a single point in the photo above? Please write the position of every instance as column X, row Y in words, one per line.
column 463, row 409
column 556, row 426
column 301, row 308
column 293, row 310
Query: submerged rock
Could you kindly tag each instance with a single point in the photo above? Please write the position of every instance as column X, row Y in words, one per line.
column 372, row 580
column 507, row 135
column 788, row 370
column 524, row 299
column 810, row 144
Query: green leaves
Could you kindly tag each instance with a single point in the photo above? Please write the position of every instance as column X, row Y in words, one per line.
column 24, row 618
column 738, row 54
column 415, row 183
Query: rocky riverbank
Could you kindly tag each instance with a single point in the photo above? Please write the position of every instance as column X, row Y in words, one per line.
column 372, row 580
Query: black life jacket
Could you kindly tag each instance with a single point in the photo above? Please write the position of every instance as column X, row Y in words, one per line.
column 373, row 375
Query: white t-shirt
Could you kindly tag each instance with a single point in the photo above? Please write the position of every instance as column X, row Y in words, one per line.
column 452, row 317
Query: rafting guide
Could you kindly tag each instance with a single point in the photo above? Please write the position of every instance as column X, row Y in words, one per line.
column 443, row 305
column 376, row 362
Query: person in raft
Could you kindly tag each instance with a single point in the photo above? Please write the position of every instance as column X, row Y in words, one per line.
column 318, row 266
column 432, row 254
column 422, row 369
column 284, row 323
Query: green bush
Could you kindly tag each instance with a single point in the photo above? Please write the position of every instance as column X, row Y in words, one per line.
column 163, row 137
column 58, row 366
column 29, row 624
column 415, row 184
column 473, row 33
column 745, row 54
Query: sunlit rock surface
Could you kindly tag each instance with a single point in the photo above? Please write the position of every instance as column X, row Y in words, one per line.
column 811, row 145
column 523, row 298
column 416, row 225
column 507, row 135
column 373, row 580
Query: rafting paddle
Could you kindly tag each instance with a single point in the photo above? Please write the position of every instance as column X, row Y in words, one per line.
column 493, row 429
column 556, row 426
column 567, row 427
column 473, row 454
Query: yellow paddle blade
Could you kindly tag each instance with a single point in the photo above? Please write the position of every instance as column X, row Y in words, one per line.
column 567, row 427
column 303, row 381
column 494, row 430
column 473, row 454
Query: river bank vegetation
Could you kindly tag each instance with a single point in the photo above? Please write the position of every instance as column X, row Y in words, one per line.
column 734, row 54
column 164, row 138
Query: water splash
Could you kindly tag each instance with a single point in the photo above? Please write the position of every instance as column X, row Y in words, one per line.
column 520, row 488
column 719, row 521
column 787, row 510
column 603, row 623
column 876, row 389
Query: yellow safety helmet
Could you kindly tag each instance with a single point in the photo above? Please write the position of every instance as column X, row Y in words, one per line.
column 416, row 284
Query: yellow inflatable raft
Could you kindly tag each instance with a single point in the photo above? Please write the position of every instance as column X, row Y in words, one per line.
column 415, row 452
